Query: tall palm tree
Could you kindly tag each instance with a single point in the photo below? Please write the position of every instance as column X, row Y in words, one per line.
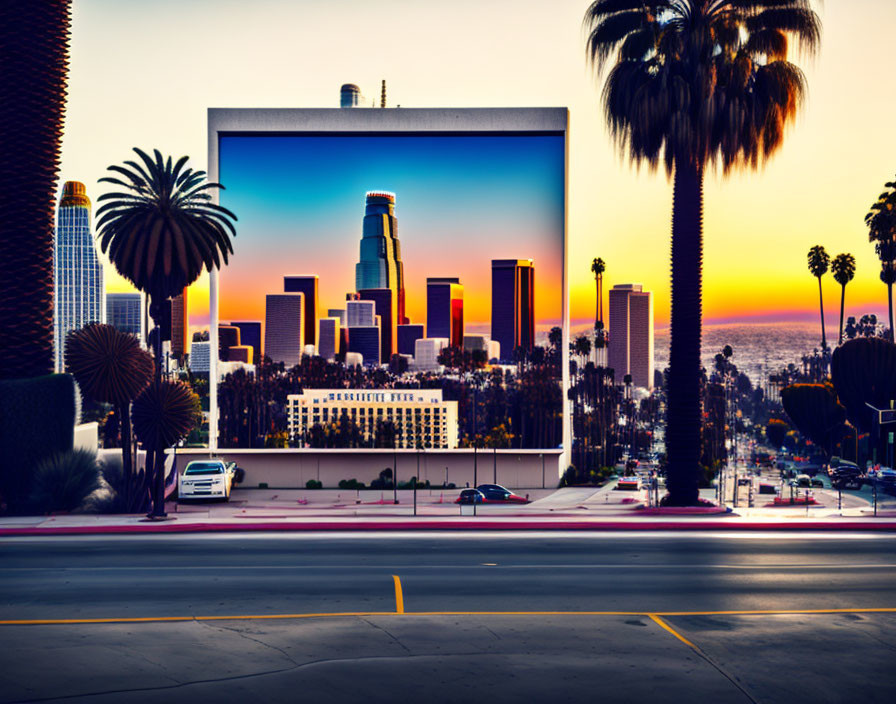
column 34, row 56
column 696, row 83
column 163, row 230
column 844, row 269
column 818, row 261
column 881, row 221
column 598, row 267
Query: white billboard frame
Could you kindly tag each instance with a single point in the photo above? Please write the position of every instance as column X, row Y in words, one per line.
column 319, row 121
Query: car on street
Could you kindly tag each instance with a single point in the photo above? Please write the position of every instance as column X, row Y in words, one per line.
column 803, row 481
column 208, row 479
column 628, row 483
column 494, row 493
column 470, row 496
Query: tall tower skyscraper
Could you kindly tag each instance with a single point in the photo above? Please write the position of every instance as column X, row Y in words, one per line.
column 445, row 309
column 306, row 285
column 380, row 263
column 513, row 305
column 284, row 328
column 77, row 269
column 631, row 334
column 180, row 325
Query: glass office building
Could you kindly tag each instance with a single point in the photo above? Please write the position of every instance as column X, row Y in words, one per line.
column 380, row 264
column 77, row 270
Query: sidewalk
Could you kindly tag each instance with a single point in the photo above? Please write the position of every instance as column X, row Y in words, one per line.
column 573, row 509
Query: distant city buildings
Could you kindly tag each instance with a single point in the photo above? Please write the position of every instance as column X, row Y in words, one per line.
column 513, row 305
column 385, row 308
column 631, row 334
column 365, row 340
column 360, row 313
column 200, row 357
column 250, row 335
column 328, row 337
column 408, row 336
column 307, row 286
column 482, row 343
column 78, row 274
column 445, row 309
column 284, row 328
column 419, row 416
column 228, row 338
column 349, row 96
column 426, row 353
column 124, row 312
column 180, row 324
column 380, row 263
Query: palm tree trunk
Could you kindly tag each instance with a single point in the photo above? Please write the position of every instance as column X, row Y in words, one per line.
column 124, row 413
column 842, row 301
column 890, row 301
column 684, row 411
column 824, row 343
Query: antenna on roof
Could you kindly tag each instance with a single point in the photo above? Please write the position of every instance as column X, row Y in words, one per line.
column 383, row 95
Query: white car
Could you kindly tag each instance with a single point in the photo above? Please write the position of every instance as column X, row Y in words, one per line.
column 207, row 479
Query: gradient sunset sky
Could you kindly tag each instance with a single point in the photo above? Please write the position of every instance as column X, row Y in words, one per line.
column 461, row 201
column 143, row 74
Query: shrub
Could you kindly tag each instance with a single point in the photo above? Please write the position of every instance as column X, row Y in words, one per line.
column 64, row 480
column 351, row 484
column 128, row 493
column 313, row 484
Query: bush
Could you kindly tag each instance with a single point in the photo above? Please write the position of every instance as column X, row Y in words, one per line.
column 313, row 484
column 410, row 484
column 126, row 494
column 351, row 484
column 63, row 481
column 37, row 421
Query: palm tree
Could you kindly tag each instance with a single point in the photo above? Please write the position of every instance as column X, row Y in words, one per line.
column 111, row 367
column 34, row 56
column 881, row 221
column 818, row 266
column 163, row 230
column 696, row 83
column 844, row 269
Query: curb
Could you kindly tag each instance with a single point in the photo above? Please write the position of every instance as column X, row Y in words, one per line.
column 456, row 526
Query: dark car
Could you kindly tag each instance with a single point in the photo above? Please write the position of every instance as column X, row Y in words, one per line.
column 470, row 496
column 496, row 492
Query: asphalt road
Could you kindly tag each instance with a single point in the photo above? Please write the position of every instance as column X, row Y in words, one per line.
column 669, row 643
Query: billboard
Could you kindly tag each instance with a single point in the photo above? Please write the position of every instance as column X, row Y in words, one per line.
column 395, row 248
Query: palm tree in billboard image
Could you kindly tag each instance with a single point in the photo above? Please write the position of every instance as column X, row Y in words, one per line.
column 844, row 269
column 881, row 221
column 162, row 230
column 692, row 84
column 818, row 261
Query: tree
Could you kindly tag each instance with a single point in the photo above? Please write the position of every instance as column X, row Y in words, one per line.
column 881, row 221
column 34, row 57
column 818, row 261
column 696, row 83
column 598, row 267
column 815, row 411
column 844, row 269
column 163, row 230
column 111, row 367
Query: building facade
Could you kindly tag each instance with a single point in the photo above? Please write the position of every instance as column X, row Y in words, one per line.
column 250, row 334
column 307, row 286
column 445, row 309
column 386, row 309
column 630, row 349
column 360, row 313
column 420, row 416
column 513, row 305
column 328, row 336
column 426, row 353
column 365, row 340
column 77, row 271
column 284, row 328
column 408, row 336
column 380, row 263
column 124, row 312
column 180, row 324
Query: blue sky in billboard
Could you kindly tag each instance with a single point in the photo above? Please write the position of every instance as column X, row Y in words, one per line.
column 461, row 201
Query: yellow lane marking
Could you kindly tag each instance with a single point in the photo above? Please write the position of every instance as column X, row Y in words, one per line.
column 400, row 610
column 662, row 624
column 399, row 597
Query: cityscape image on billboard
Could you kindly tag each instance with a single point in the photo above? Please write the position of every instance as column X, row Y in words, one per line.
column 424, row 270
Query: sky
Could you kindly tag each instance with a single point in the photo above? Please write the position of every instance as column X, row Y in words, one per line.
column 461, row 201
column 143, row 73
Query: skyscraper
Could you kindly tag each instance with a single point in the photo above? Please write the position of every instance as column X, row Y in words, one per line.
column 386, row 310
column 359, row 313
column 513, row 305
column 284, row 328
column 306, row 285
column 250, row 334
column 445, row 309
column 365, row 340
column 328, row 337
column 408, row 336
column 631, row 334
column 124, row 312
column 380, row 264
column 228, row 336
column 180, row 324
column 77, row 270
